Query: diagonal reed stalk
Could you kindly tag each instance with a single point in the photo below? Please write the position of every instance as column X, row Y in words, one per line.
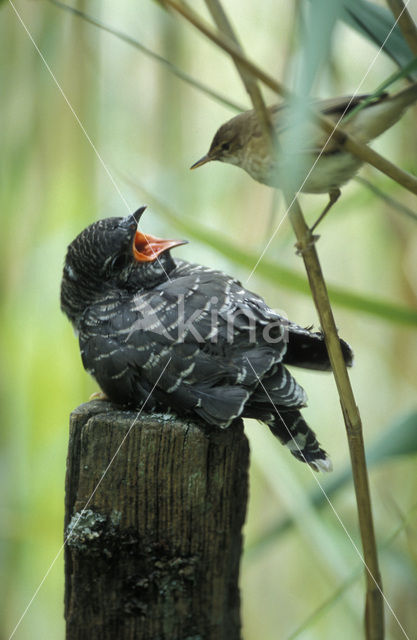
column 405, row 22
column 374, row 610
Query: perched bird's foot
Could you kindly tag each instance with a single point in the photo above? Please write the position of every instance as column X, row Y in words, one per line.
column 300, row 249
column 98, row 395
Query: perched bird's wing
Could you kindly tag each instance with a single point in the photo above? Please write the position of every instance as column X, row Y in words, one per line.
column 309, row 134
column 218, row 326
column 213, row 340
column 110, row 357
column 335, row 109
column 127, row 346
column 302, row 346
column 224, row 340
column 339, row 106
column 202, row 326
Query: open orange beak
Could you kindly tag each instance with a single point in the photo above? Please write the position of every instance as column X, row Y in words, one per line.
column 147, row 248
column 202, row 161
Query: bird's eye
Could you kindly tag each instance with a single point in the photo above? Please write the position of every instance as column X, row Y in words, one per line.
column 118, row 263
column 225, row 146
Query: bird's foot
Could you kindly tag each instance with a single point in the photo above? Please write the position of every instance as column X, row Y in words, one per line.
column 98, row 395
column 301, row 248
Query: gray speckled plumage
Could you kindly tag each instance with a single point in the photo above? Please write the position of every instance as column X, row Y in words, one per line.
column 224, row 349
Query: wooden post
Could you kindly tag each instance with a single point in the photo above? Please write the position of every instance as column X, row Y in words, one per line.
column 155, row 554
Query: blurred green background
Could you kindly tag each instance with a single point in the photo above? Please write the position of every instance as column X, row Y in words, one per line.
column 148, row 127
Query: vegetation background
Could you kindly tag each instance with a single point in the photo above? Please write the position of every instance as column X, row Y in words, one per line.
column 147, row 127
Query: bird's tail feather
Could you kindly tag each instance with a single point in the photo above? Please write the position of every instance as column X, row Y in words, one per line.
column 292, row 431
column 379, row 116
column 407, row 96
column 308, row 350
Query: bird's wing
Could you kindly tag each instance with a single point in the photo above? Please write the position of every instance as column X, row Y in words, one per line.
column 110, row 357
column 203, row 327
column 211, row 339
column 211, row 319
column 333, row 108
column 341, row 105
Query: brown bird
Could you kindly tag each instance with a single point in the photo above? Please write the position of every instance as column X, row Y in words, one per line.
column 326, row 166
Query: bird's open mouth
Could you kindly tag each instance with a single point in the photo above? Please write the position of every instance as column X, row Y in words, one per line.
column 147, row 248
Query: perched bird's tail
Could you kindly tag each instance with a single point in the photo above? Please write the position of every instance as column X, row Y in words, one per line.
column 380, row 115
column 406, row 96
column 308, row 350
column 292, row 430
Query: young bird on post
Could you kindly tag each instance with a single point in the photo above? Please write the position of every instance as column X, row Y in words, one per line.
column 241, row 141
column 221, row 350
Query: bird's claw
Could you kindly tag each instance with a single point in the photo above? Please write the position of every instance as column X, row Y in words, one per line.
column 98, row 395
column 300, row 249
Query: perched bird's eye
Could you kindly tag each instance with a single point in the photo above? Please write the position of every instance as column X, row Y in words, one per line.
column 118, row 263
column 225, row 146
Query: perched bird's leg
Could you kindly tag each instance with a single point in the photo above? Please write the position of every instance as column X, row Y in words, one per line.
column 334, row 195
column 98, row 395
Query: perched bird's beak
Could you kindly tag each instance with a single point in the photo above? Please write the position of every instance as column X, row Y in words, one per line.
column 138, row 213
column 202, row 161
column 132, row 220
column 147, row 248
